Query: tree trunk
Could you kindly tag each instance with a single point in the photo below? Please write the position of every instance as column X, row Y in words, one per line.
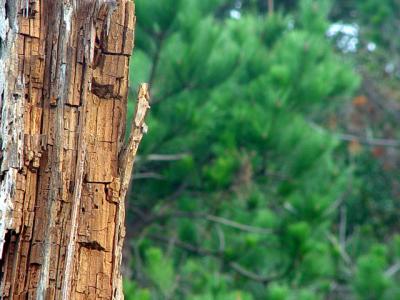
column 270, row 7
column 64, row 167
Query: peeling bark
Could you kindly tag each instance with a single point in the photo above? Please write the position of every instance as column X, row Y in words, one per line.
column 64, row 167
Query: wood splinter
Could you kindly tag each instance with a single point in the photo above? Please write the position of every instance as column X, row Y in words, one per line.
column 138, row 129
column 126, row 162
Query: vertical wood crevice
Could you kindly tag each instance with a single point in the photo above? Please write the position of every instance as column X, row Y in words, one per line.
column 63, row 105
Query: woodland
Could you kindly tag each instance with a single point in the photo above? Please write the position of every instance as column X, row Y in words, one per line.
column 271, row 165
column 199, row 149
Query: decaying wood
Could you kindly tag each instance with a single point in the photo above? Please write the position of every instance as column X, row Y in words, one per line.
column 126, row 161
column 64, row 167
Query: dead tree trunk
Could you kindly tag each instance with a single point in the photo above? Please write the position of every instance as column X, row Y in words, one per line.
column 64, row 167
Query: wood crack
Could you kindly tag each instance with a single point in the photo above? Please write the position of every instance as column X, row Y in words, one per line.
column 63, row 124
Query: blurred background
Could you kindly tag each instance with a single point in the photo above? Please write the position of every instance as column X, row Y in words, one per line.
column 271, row 166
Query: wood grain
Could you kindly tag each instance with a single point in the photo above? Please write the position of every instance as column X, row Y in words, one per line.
column 64, row 99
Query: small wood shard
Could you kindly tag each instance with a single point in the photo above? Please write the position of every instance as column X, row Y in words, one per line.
column 129, row 152
column 126, row 162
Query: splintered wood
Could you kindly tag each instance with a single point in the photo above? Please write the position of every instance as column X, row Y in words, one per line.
column 64, row 166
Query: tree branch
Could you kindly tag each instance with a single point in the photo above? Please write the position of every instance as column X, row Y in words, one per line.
column 138, row 129
column 237, row 225
column 217, row 219
column 362, row 140
column 148, row 175
column 368, row 141
column 270, row 7
column 186, row 246
column 163, row 157
column 218, row 254
column 156, row 58
column 392, row 270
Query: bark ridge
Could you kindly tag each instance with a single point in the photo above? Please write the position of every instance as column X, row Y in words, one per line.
column 63, row 84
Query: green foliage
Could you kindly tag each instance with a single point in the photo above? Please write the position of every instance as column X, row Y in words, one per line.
column 377, row 11
column 277, row 292
column 250, row 210
column 132, row 292
column 160, row 271
column 313, row 15
column 370, row 281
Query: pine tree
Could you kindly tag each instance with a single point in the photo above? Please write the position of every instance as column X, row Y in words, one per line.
column 238, row 181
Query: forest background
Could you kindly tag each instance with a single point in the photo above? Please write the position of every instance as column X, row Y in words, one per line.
column 271, row 165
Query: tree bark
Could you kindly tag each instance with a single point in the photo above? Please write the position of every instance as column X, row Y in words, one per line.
column 64, row 167
column 270, row 7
